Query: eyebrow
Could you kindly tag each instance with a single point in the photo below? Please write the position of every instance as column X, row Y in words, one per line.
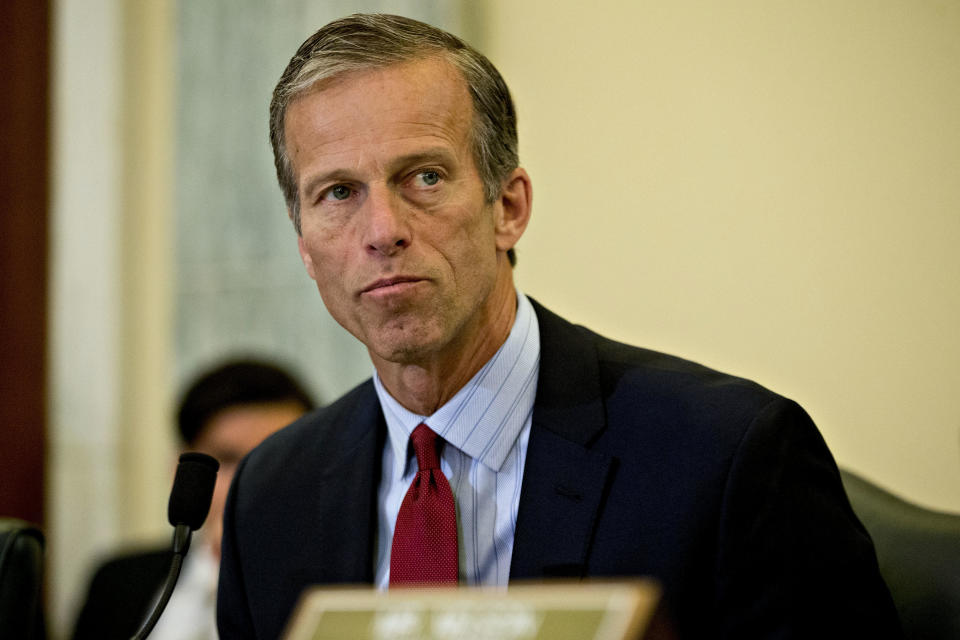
column 439, row 155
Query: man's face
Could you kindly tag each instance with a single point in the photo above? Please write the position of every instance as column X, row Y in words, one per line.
column 228, row 436
column 395, row 230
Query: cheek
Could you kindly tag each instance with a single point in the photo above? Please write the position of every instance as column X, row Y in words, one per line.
column 328, row 256
column 222, row 487
column 477, row 251
column 335, row 285
column 332, row 282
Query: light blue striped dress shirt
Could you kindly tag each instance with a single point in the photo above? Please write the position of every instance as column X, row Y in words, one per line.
column 486, row 427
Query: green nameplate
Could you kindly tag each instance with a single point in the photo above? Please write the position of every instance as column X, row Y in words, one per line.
column 548, row 611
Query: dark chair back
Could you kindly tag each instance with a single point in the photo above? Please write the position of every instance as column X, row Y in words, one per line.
column 21, row 580
column 919, row 554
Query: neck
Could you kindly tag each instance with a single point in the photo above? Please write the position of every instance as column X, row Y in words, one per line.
column 425, row 386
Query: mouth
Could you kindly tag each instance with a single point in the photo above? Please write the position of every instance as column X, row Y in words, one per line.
column 390, row 285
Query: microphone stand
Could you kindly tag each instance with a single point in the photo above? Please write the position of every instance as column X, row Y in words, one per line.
column 181, row 542
column 190, row 499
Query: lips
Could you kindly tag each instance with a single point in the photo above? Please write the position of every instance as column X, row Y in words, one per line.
column 386, row 283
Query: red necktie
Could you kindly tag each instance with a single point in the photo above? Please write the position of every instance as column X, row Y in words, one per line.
column 425, row 538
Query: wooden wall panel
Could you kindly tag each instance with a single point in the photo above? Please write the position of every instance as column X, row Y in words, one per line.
column 24, row 78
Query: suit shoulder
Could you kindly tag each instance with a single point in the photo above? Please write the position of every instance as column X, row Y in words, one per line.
column 120, row 592
column 144, row 568
column 132, row 563
column 678, row 374
column 692, row 405
column 639, row 384
column 620, row 362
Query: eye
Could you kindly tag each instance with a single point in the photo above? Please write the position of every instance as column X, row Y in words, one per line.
column 429, row 177
column 337, row 192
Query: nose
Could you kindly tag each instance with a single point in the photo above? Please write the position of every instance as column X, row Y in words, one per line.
column 387, row 229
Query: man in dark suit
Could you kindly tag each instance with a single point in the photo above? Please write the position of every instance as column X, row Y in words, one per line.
column 566, row 454
column 225, row 412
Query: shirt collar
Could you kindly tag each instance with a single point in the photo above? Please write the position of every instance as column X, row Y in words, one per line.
column 485, row 417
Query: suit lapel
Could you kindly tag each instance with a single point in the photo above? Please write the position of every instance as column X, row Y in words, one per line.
column 563, row 480
column 351, row 512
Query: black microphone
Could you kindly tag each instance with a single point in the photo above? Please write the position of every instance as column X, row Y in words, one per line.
column 189, row 503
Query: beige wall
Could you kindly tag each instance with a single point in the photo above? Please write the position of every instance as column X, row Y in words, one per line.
column 770, row 188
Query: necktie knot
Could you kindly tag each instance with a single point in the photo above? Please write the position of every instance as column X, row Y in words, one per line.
column 425, row 446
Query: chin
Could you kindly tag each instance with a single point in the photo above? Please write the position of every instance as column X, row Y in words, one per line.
column 406, row 346
column 404, row 353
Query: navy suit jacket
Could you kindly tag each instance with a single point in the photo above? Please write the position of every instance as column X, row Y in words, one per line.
column 639, row 464
column 121, row 594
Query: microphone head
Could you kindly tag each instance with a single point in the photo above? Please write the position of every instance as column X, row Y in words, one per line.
column 192, row 490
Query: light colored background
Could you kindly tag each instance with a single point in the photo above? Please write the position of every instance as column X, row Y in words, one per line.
column 772, row 188
column 769, row 188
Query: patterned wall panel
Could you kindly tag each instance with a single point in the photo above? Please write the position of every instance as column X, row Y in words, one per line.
column 240, row 285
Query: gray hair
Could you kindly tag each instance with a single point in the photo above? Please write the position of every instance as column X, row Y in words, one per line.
column 367, row 41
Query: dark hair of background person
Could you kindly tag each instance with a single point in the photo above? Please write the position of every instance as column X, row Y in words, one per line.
column 371, row 41
column 235, row 383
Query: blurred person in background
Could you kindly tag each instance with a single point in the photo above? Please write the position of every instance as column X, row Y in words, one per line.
column 225, row 412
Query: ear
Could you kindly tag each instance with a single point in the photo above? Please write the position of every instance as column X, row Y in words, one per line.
column 305, row 256
column 513, row 212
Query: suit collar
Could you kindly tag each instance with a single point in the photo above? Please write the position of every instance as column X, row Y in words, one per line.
column 563, row 479
column 357, row 467
column 569, row 401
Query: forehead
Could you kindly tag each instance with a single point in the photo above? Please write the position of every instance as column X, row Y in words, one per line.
column 422, row 97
